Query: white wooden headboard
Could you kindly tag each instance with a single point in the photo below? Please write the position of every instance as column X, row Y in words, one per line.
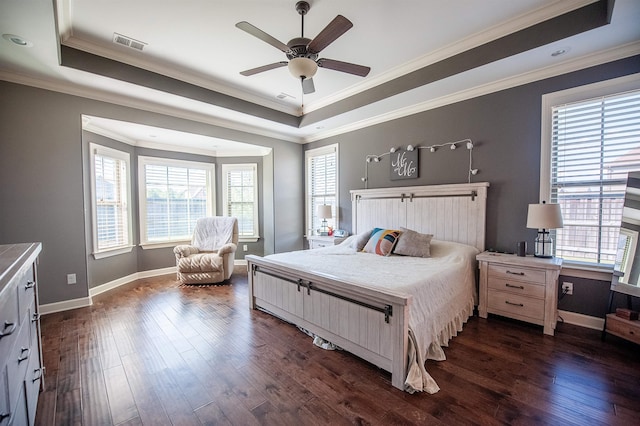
column 454, row 212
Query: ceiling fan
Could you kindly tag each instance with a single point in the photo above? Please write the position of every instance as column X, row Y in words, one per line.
column 303, row 52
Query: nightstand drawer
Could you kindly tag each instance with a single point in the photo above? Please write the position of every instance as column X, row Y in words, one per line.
column 516, row 287
column 519, row 273
column 320, row 244
column 624, row 328
column 516, row 304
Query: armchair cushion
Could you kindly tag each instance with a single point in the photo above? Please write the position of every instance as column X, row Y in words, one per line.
column 185, row 250
column 201, row 262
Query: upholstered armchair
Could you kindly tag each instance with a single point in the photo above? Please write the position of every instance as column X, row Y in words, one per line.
column 210, row 256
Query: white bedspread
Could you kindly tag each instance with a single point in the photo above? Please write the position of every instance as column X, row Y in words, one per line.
column 442, row 289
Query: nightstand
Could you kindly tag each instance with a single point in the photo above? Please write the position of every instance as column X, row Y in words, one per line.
column 317, row 241
column 523, row 288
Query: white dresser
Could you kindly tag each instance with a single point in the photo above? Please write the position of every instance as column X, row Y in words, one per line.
column 21, row 369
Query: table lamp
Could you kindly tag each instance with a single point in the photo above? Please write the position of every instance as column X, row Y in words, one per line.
column 324, row 212
column 544, row 217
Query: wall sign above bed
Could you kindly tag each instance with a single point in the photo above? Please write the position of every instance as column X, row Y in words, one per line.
column 403, row 164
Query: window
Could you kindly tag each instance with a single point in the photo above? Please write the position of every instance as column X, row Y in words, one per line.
column 111, row 201
column 322, row 186
column 240, row 198
column 593, row 142
column 173, row 196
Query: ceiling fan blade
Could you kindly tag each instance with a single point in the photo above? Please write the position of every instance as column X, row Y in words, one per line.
column 263, row 68
column 257, row 32
column 330, row 33
column 307, row 86
column 347, row 67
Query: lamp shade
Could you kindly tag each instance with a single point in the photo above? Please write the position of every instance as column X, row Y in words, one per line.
column 544, row 216
column 302, row 67
column 324, row 211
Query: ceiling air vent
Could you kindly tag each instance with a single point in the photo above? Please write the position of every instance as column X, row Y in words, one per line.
column 283, row 95
column 128, row 41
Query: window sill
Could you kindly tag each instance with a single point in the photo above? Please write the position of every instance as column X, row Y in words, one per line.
column 248, row 239
column 151, row 246
column 113, row 252
column 580, row 270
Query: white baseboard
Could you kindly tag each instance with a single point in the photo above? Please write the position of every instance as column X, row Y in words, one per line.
column 582, row 320
column 94, row 291
column 83, row 302
column 239, row 262
column 65, row 305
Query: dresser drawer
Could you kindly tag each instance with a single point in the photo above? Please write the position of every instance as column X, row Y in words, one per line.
column 517, row 272
column 19, row 411
column 624, row 328
column 9, row 322
column 516, row 287
column 5, row 412
column 514, row 304
column 17, row 362
column 32, row 383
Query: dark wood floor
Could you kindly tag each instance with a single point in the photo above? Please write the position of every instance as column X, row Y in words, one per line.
column 157, row 353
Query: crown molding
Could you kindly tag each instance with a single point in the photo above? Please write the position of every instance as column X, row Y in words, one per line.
column 122, row 100
column 89, row 127
column 478, row 39
column 577, row 64
column 587, row 61
column 173, row 72
column 543, row 13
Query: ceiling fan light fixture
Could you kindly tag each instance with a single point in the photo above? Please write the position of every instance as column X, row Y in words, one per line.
column 302, row 68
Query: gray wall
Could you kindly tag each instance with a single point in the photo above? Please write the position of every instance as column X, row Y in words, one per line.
column 42, row 196
column 505, row 127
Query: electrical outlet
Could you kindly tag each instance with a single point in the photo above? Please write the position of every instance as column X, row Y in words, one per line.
column 567, row 288
column 71, row 278
column 245, row 248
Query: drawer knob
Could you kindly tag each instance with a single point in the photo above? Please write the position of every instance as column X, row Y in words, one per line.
column 521, row 287
column 36, row 317
column 514, row 304
column 515, row 273
column 30, row 284
column 9, row 328
column 24, row 357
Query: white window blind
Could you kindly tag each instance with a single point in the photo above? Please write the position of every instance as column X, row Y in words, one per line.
column 594, row 144
column 240, row 197
column 174, row 195
column 110, row 200
column 322, row 186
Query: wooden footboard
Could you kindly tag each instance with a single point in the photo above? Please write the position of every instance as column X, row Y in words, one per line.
column 368, row 323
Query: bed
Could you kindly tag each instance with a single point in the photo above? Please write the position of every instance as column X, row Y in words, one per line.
column 373, row 306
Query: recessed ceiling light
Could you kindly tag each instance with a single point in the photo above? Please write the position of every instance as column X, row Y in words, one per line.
column 561, row 51
column 16, row 39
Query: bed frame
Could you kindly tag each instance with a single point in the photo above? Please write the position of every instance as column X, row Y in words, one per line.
column 370, row 323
